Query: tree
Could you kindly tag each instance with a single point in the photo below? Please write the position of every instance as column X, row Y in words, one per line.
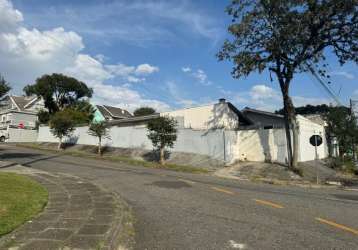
column 4, row 87
column 43, row 116
column 287, row 37
column 61, row 125
column 144, row 111
column 162, row 133
column 100, row 131
column 342, row 125
column 308, row 110
column 58, row 91
column 85, row 107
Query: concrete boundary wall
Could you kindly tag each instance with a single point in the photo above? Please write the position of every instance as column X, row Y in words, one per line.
column 262, row 145
column 226, row 146
column 22, row 135
column 203, row 142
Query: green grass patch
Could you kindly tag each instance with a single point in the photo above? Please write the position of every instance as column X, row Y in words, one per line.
column 20, row 200
column 123, row 159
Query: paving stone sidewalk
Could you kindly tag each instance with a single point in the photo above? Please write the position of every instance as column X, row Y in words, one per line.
column 79, row 215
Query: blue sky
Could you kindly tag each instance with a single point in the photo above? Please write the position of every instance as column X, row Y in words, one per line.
column 136, row 53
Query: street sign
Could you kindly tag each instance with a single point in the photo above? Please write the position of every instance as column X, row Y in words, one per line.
column 316, row 140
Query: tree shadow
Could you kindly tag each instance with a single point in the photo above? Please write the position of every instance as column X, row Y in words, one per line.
column 154, row 155
column 7, row 156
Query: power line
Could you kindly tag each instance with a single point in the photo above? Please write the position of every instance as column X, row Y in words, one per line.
column 324, row 85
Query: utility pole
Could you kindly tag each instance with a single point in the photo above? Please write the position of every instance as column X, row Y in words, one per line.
column 352, row 114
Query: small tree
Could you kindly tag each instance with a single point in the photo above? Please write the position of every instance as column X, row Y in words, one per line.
column 343, row 126
column 61, row 125
column 100, row 131
column 144, row 111
column 4, row 86
column 162, row 133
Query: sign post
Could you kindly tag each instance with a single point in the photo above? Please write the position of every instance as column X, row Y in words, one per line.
column 316, row 141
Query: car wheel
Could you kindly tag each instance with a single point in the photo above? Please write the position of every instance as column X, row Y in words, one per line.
column 2, row 139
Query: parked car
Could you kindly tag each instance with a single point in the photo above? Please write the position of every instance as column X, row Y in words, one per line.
column 4, row 135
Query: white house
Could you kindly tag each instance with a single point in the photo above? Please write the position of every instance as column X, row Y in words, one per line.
column 218, row 115
column 19, row 113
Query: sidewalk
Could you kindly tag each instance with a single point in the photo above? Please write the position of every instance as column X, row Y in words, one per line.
column 79, row 215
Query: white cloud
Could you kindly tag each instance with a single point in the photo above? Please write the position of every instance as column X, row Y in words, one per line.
column 263, row 92
column 146, row 69
column 186, row 69
column 9, row 17
column 27, row 54
column 198, row 74
column 343, row 74
column 100, row 57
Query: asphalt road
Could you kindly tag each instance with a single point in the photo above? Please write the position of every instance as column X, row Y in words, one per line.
column 185, row 211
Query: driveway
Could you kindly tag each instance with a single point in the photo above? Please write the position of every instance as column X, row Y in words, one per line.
column 185, row 211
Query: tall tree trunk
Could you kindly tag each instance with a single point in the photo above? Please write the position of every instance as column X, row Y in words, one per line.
column 99, row 145
column 59, row 143
column 162, row 160
column 290, row 124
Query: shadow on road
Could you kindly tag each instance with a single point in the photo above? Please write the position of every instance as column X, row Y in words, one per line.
column 9, row 156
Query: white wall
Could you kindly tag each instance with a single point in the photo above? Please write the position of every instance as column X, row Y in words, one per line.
column 308, row 128
column 210, row 143
column 22, row 135
column 262, row 145
column 206, row 117
column 223, row 145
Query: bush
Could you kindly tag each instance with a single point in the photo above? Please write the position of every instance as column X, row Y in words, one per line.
column 345, row 166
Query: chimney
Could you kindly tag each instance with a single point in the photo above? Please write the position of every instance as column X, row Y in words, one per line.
column 222, row 100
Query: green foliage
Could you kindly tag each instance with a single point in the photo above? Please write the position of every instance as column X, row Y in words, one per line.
column 346, row 166
column 87, row 110
column 343, row 126
column 98, row 129
column 162, row 132
column 308, row 110
column 20, row 200
column 284, row 36
column 77, row 117
column 144, row 111
column 62, row 124
column 4, row 86
column 58, row 91
column 43, row 116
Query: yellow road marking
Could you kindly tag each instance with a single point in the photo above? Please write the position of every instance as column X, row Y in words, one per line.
column 222, row 190
column 187, row 181
column 268, row 203
column 331, row 223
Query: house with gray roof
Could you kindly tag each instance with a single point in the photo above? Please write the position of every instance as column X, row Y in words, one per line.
column 17, row 114
column 109, row 113
column 20, row 111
